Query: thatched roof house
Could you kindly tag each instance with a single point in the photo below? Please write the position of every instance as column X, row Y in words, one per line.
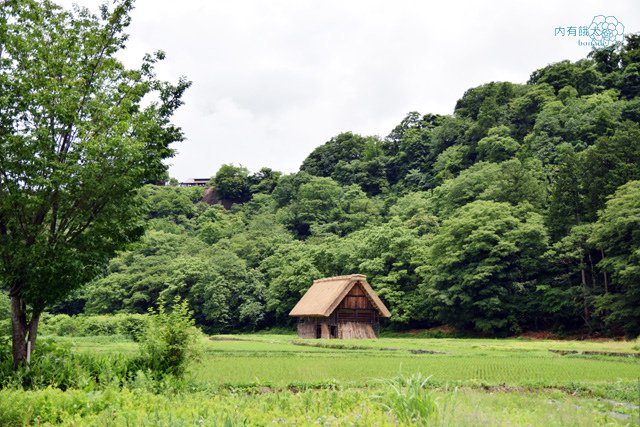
column 339, row 307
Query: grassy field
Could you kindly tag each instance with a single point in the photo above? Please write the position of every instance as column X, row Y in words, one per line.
column 279, row 379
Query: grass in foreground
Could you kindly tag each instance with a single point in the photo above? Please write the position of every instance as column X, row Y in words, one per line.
column 356, row 407
column 279, row 361
column 271, row 379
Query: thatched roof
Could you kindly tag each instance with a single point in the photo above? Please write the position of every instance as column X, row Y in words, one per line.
column 326, row 294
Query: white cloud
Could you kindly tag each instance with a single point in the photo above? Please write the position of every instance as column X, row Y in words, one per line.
column 273, row 80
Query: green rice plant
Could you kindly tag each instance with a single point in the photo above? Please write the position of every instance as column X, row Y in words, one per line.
column 409, row 400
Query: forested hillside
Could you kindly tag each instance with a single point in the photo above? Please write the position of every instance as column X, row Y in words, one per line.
column 520, row 211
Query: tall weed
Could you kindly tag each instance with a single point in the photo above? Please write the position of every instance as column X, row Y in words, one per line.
column 409, row 400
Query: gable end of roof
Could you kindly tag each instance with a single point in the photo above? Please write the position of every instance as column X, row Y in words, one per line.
column 325, row 294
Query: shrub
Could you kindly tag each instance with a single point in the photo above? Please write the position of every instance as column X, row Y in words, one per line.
column 171, row 340
column 133, row 325
column 60, row 324
column 130, row 325
column 55, row 365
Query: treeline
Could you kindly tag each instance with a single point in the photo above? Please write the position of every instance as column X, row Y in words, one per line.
column 519, row 211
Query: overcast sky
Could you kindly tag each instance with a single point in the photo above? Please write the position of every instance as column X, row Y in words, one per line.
column 274, row 79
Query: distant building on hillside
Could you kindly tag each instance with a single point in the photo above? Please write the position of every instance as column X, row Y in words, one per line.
column 195, row 182
column 339, row 307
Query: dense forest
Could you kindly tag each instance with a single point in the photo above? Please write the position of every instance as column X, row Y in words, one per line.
column 520, row 211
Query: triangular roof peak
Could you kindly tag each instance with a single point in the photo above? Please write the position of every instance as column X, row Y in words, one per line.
column 345, row 277
column 325, row 294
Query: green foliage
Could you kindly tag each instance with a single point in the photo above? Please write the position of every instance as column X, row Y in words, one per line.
column 567, row 198
column 498, row 145
column 582, row 75
column 170, row 342
column 524, row 110
column 410, row 401
column 76, row 142
column 287, row 189
column 5, row 307
column 610, row 162
column 322, row 207
column 129, row 325
column 5, row 315
column 232, row 183
column 617, row 233
column 488, row 106
column 324, row 159
column 479, row 265
column 512, row 181
column 576, row 121
column 386, row 254
column 450, row 162
column 139, row 277
column 289, row 271
column 250, row 407
column 563, row 302
column 171, row 203
column 54, row 365
column 264, row 181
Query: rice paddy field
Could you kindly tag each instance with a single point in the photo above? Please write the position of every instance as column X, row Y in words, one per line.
column 282, row 380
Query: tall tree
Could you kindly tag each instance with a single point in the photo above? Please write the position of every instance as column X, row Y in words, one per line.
column 609, row 163
column 497, row 146
column 617, row 233
column 323, row 160
column 75, row 144
column 480, row 265
column 232, row 183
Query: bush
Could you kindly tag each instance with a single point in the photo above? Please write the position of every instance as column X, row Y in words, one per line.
column 60, row 324
column 55, row 365
column 170, row 341
column 133, row 325
column 130, row 325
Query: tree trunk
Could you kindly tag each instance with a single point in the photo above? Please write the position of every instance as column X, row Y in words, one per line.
column 19, row 331
column 593, row 273
column 604, row 274
column 23, row 337
column 33, row 329
column 587, row 314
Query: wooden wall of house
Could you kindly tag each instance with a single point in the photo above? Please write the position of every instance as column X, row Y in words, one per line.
column 356, row 316
column 308, row 327
column 356, row 330
column 324, row 328
column 356, row 299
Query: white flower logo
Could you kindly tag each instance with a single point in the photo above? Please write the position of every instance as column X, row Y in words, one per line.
column 606, row 30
